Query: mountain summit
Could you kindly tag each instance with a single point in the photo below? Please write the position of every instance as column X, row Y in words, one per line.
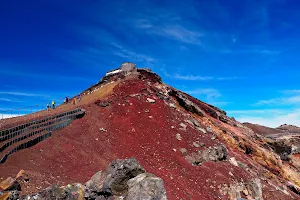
column 197, row 150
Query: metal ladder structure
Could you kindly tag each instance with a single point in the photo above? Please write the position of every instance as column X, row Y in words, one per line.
column 26, row 135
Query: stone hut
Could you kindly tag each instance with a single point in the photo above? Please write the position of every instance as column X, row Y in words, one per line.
column 128, row 66
column 125, row 67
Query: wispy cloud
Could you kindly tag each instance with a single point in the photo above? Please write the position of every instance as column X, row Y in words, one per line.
column 192, row 78
column 131, row 55
column 9, row 100
column 201, row 78
column 280, row 101
column 23, row 94
column 168, row 26
column 210, row 93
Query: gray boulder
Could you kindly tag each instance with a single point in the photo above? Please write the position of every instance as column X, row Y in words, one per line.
column 94, row 186
column 118, row 173
column 216, row 153
column 147, row 187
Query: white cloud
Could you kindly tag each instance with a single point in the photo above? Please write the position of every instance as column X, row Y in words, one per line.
column 209, row 93
column 280, row 101
column 277, row 119
column 254, row 112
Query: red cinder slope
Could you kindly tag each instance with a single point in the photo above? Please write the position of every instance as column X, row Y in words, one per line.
column 170, row 133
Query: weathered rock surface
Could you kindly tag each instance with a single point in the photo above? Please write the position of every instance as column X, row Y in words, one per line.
column 251, row 189
column 121, row 127
column 118, row 173
column 216, row 153
column 124, row 179
column 147, row 187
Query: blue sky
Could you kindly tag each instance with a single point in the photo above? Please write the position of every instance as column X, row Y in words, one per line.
column 240, row 55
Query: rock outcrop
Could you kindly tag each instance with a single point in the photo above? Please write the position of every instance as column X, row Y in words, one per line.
column 125, row 179
column 198, row 151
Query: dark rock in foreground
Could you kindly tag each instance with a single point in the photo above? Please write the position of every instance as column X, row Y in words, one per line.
column 125, row 179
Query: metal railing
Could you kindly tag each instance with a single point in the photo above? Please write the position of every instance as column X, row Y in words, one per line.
column 25, row 125
column 43, row 126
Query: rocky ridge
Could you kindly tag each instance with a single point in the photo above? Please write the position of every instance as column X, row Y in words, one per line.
column 197, row 150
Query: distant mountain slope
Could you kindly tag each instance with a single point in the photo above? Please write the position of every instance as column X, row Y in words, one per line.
column 197, row 150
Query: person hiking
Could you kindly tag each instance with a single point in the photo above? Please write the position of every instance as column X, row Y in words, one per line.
column 53, row 104
column 66, row 100
column 48, row 106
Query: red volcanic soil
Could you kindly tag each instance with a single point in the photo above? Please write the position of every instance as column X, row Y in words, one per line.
column 130, row 126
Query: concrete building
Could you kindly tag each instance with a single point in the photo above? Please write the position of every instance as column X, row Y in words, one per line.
column 125, row 67
column 128, row 66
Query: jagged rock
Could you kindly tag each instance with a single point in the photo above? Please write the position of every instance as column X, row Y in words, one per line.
column 71, row 192
column 251, row 189
column 233, row 161
column 213, row 137
column 282, row 149
column 223, row 119
column 293, row 188
column 147, row 187
column 185, row 103
column 183, row 151
column 5, row 196
column 172, row 105
column 118, row 173
column 178, row 137
column 196, row 144
column 10, row 184
column 121, row 181
column 75, row 191
column 183, row 126
column 94, row 186
column 209, row 129
column 13, row 195
column 201, row 130
column 150, row 100
column 216, row 153
column 103, row 103
column 52, row 192
column 193, row 122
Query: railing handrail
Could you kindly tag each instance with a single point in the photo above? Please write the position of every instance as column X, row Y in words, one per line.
column 38, row 121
